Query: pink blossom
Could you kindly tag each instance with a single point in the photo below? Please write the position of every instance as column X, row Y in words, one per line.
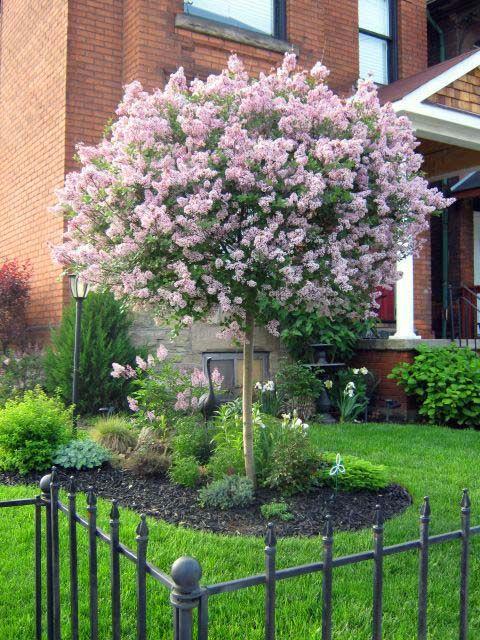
column 162, row 352
column 132, row 403
column 141, row 363
column 118, row 370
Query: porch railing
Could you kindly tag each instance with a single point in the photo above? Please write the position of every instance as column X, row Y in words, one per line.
column 189, row 600
column 464, row 315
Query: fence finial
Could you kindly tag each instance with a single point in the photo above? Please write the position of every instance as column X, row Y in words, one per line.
column 91, row 497
column 114, row 512
column 466, row 503
column 142, row 528
column 270, row 536
column 71, row 486
column 425, row 510
column 378, row 519
column 186, row 573
column 45, row 483
column 328, row 527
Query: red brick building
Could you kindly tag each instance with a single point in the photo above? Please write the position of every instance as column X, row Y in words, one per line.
column 63, row 64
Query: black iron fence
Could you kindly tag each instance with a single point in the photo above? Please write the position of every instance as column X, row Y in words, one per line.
column 463, row 316
column 189, row 600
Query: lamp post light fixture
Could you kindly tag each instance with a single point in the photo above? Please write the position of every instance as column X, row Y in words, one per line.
column 79, row 291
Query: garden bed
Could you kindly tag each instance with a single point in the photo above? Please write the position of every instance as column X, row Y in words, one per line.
column 158, row 497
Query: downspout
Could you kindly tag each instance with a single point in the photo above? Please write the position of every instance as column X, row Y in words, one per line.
column 441, row 35
column 442, row 54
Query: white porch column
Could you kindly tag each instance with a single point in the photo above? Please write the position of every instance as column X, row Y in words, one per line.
column 404, row 302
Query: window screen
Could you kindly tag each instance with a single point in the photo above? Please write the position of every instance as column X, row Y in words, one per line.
column 375, row 39
column 256, row 15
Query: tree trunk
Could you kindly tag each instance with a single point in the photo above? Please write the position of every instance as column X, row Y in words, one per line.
column 247, row 399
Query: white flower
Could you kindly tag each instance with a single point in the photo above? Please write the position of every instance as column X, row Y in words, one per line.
column 286, row 416
column 269, row 386
column 364, row 371
column 258, row 386
column 328, row 384
column 350, row 385
column 355, row 372
column 6, row 362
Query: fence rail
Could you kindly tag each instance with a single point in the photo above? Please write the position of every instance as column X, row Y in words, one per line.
column 187, row 596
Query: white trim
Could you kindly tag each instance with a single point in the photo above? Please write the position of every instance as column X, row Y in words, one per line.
column 453, row 174
column 462, row 180
column 439, row 82
column 404, row 302
column 443, row 124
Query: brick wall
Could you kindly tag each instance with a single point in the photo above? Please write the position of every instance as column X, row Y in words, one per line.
column 63, row 63
column 32, row 142
column 381, row 363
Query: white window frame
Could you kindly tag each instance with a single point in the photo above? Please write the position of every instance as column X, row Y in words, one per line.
column 391, row 40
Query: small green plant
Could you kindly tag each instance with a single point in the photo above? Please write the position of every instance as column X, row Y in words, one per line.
column 20, row 372
column 185, row 471
column 446, row 383
column 268, row 398
column 359, row 474
column 193, row 437
column 148, row 462
column 276, row 511
column 115, row 434
column 31, row 430
column 81, row 454
column 298, row 387
column 230, row 492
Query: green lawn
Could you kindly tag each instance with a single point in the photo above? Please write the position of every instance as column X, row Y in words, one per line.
column 427, row 460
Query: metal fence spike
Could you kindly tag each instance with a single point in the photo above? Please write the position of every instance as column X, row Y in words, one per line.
column 425, row 511
column 466, row 503
column 378, row 519
column 328, row 527
column 114, row 512
column 53, row 475
column 91, row 497
column 142, row 528
column 71, row 485
column 270, row 536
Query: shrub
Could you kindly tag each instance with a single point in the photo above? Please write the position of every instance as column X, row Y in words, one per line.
column 105, row 339
column 228, row 493
column 446, row 382
column 193, row 437
column 288, row 458
column 227, row 458
column 31, row 430
column 359, row 474
column 14, row 297
column 147, row 462
column 226, row 461
column 115, row 434
column 81, row 454
column 185, row 471
column 19, row 372
column 298, row 387
column 276, row 511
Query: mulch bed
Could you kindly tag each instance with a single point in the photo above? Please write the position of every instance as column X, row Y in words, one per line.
column 161, row 499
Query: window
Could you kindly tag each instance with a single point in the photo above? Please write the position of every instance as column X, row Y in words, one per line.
column 377, row 44
column 265, row 16
column 230, row 365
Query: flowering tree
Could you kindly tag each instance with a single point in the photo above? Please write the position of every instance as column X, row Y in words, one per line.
column 230, row 191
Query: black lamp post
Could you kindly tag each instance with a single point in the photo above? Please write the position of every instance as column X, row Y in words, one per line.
column 79, row 292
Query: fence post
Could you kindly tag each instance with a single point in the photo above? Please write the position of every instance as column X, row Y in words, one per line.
column 72, row 536
column 378, row 573
column 57, row 633
column 464, row 566
column 423, row 570
column 327, row 579
column 270, row 588
column 115, row 570
column 92, row 555
column 185, row 596
column 38, row 568
column 142, row 542
column 45, row 489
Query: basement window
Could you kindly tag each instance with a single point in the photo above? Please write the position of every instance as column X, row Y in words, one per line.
column 377, row 40
column 230, row 365
column 263, row 16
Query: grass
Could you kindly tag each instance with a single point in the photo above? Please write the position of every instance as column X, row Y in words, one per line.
column 427, row 460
